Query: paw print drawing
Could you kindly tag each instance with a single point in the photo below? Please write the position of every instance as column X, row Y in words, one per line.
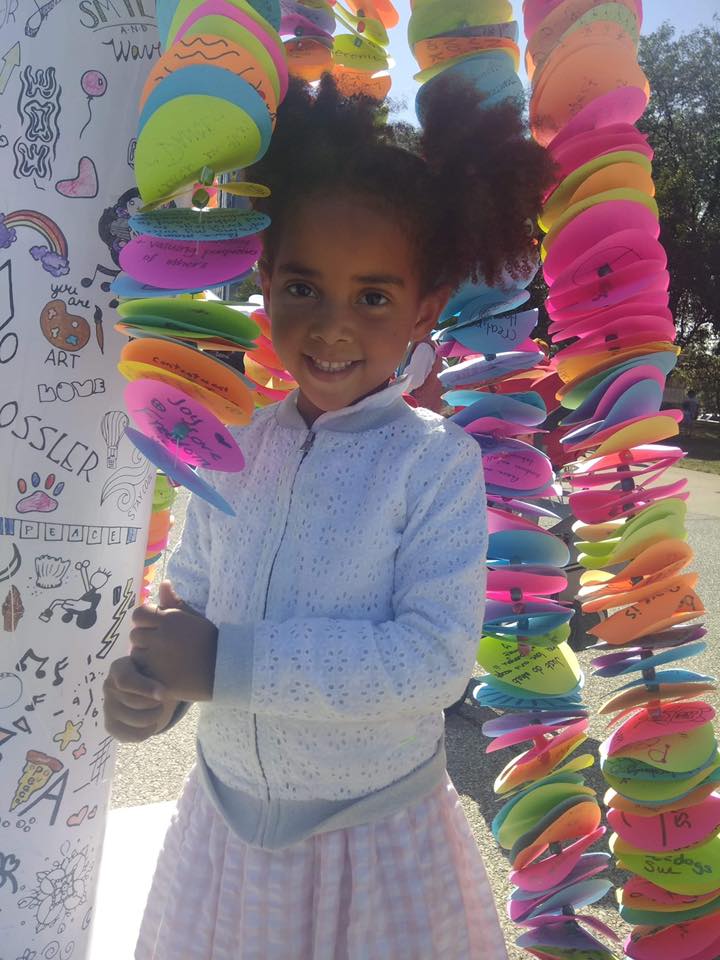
column 38, row 501
column 84, row 609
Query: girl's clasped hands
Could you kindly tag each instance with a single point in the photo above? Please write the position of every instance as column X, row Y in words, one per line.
column 172, row 660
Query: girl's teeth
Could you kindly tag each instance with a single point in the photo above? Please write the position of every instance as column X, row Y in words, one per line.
column 331, row 367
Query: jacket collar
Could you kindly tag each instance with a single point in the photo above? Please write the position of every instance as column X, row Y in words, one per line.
column 371, row 412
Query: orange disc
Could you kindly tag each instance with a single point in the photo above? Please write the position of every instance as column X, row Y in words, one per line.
column 353, row 83
column 435, row 50
column 308, row 59
column 212, row 51
column 199, row 368
column 586, row 72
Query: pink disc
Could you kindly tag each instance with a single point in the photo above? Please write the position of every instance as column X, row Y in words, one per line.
column 542, row 874
column 607, row 291
column 541, row 581
column 613, row 253
column 626, row 312
column 172, row 264
column 585, row 147
column 182, row 425
column 681, row 941
column 622, row 105
column 591, row 226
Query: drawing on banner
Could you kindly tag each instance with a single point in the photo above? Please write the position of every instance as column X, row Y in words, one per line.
column 38, row 501
column 70, row 734
column 40, row 672
column 39, row 110
column 12, row 609
column 8, row 865
column 114, row 231
column 84, row 185
column 11, row 59
column 36, row 19
column 65, row 331
column 9, row 340
column 38, row 770
column 44, row 778
column 8, row 9
column 75, row 819
column 112, row 428
column 50, row 571
column 121, row 611
column 64, row 532
column 132, row 145
column 67, row 390
column 11, row 690
column 60, row 889
column 8, row 571
column 84, row 608
column 125, row 51
column 94, row 85
column 53, row 254
column 129, row 485
column 99, row 762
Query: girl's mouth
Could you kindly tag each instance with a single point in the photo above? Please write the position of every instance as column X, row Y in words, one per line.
column 330, row 371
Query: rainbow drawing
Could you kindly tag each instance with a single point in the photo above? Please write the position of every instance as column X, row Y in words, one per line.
column 42, row 224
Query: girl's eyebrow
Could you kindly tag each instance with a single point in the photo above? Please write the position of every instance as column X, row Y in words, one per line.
column 388, row 279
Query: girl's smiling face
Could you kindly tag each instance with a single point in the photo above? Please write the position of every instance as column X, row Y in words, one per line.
column 344, row 299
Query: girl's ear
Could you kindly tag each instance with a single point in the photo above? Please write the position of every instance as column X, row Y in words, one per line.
column 431, row 307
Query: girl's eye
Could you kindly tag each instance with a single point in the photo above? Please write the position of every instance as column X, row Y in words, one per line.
column 300, row 289
column 374, row 299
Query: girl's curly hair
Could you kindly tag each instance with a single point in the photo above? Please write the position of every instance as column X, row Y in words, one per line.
column 467, row 188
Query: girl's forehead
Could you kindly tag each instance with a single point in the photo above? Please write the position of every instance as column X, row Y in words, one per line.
column 328, row 232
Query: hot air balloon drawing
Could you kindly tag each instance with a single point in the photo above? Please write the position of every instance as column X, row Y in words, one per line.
column 112, row 427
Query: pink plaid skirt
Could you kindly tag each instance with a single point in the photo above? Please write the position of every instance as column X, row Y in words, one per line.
column 410, row 887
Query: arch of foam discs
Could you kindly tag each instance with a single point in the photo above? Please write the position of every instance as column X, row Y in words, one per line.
column 502, row 389
column 206, row 112
column 608, row 305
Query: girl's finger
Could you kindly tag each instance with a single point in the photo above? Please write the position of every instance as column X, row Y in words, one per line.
column 141, row 637
column 146, row 616
column 119, row 712
column 126, row 677
column 134, row 701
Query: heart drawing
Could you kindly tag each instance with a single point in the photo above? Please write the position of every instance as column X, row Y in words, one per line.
column 84, row 185
column 75, row 819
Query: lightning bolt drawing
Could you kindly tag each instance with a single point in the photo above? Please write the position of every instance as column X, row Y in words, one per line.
column 113, row 632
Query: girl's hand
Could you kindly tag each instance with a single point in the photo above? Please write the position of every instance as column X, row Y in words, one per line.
column 176, row 645
column 135, row 706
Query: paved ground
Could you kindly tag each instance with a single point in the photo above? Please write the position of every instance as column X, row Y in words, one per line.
column 155, row 771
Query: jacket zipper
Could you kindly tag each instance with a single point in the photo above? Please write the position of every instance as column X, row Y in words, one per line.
column 305, row 450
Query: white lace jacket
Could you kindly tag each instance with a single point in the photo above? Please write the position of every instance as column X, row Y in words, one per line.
column 349, row 594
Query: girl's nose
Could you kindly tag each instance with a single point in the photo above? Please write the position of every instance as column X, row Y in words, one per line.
column 331, row 325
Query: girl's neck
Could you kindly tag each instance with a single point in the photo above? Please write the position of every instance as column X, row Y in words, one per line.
column 309, row 412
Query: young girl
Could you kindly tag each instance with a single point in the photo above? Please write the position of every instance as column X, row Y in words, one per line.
column 325, row 628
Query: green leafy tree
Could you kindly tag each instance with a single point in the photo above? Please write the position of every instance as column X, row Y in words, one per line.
column 683, row 125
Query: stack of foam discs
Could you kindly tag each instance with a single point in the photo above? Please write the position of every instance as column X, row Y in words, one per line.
column 357, row 57
column 208, row 108
column 496, row 380
column 608, row 297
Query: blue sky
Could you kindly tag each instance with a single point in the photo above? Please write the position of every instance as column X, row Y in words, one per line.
column 684, row 14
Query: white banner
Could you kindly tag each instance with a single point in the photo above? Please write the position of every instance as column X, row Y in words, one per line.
column 74, row 495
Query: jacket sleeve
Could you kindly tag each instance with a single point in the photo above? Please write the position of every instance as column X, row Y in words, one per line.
column 189, row 567
column 417, row 662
